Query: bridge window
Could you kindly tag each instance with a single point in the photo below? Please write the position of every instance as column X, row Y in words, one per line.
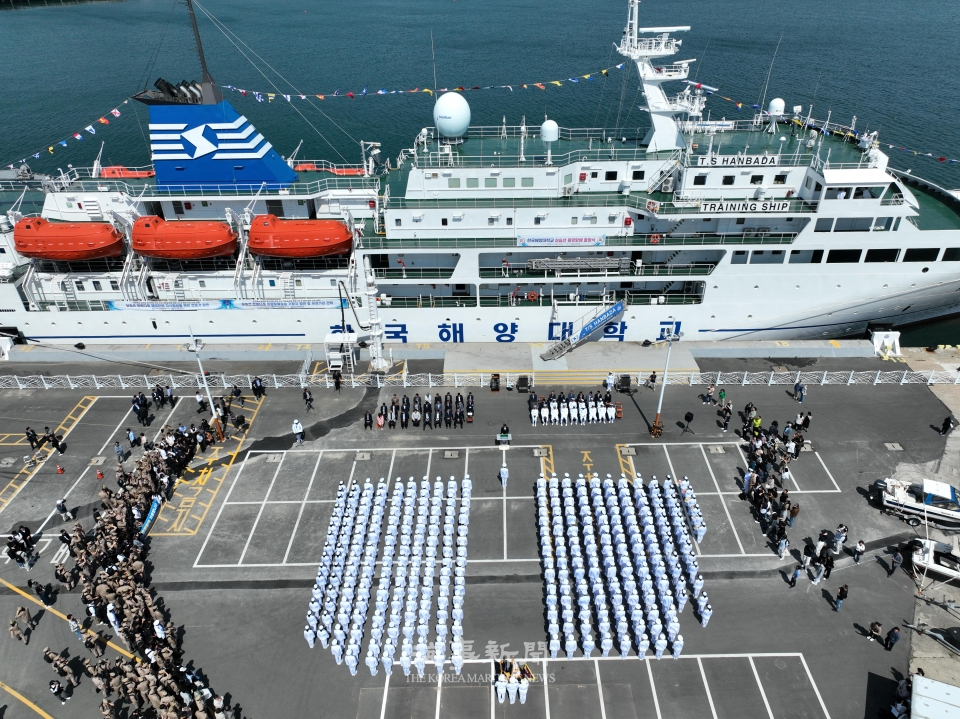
column 853, row 224
column 114, row 285
column 568, row 179
column 837, row 193
column 96, row 285
column 638, row 174
column 490, row 182
column 843, row 256
column 509, row 181
column 868, row 193
column 397, row 222
column 882, row 255
column 739, row 257
column 779, row 179
column 824, row 224
column 806, row 257
column 728, row 179
column 443, row 222
column 473, row 182
column 79, row 285
column 526, row 182
column 882, row 224
column 453, row 182
column 610, row 176
column 921, row 254
column 767, row 257
column 756, row 179
column 700, row 180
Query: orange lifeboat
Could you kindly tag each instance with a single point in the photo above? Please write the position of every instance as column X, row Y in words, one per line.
column 119, row 171
column 273, row 237
column 66, row 241
column 183, row 239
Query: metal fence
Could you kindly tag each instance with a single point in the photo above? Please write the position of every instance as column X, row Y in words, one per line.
column 475, row 379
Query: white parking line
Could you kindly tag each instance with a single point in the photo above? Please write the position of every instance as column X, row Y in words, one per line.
column 827, row 471
column 383, row 705
column 653, row 690
column 706, row 687
column 303, row 504
column 603, row 710
column 725, row 508
column 814, row 685
column 114, row 433
column 260, row 513
column 763, row 694
column 216, row 519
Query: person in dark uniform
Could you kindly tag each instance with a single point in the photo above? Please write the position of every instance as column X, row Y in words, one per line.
column 447, row 401
column 417, row 402
column 438, row 409
column 448, row 416
column 405, row 403
column 427, row 417
column 505, row 430
column 32, row 438
column 404, row 418
column 392, row 417
column 458, row 418
column 368, row 420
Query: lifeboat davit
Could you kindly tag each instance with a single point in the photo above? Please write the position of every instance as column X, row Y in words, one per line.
column 273, row 237
column 66, row 241
column 119, row 171
column 183, row 239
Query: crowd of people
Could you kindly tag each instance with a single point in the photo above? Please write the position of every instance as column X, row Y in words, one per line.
column 431, row 531
column 619, row 559
column 567, row 410
column 431, row 411
column 513, row 679
column 109, row 564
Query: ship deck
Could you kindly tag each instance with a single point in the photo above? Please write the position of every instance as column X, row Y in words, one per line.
column 234, row 553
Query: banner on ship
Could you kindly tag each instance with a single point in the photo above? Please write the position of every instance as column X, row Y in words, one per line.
column 160, row 306
column 322, row 304
column 600, row 320
column 550, row 241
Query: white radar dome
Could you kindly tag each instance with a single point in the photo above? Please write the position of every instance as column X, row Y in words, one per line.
column 451, row 114
column 549, row 131
column 776, row 107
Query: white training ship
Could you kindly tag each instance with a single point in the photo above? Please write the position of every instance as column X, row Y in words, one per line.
column 779, row 227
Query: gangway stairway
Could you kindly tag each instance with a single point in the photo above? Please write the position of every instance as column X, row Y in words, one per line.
column 589, row 323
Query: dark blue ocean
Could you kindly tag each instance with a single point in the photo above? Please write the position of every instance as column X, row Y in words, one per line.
column 893, row 64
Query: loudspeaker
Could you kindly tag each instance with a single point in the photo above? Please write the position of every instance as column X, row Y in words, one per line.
column 495, row 382
column 688, row 417
column 523, row 384
column 624, row 384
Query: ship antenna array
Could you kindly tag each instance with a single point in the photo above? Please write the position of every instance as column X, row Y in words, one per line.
column 766, row 84
column 433, row 55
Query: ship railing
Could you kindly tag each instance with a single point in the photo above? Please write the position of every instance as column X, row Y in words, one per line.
column 521, row 271
column 653, row 240
column 480, row 379
column 762, row 119
column 149, row 191
column 566, row 133
column 510, row 160
column 413, row 273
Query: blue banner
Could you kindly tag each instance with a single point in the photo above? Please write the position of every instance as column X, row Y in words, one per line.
column 151, row 517
column 600, row 320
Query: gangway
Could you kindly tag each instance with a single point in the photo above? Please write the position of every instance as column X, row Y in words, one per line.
column 589, row 323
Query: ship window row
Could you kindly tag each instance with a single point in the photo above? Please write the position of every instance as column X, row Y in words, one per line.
column 846, row 256
column 731, row 179
column 857, row 224
column 855, row 193
column 97, row 286
column 474, row 182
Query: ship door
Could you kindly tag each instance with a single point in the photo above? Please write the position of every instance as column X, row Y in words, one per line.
column 334, row 207
column 311, row 209
column 151, row 290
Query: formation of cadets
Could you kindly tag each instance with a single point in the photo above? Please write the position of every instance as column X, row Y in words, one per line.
column 618, row 558
column 432, row 411
column 109, row 563
column 566, row 410
column 431, row 532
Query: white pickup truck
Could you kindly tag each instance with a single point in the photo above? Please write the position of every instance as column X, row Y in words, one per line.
column 928, row 501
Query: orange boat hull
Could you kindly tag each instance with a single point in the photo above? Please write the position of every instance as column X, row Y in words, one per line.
column 273, row 237
column 119, row 171
column 183, row 239
column 66, row 241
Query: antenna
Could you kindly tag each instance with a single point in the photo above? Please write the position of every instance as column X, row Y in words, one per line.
column 433, row 55
column 211, row 93
column 770, row 70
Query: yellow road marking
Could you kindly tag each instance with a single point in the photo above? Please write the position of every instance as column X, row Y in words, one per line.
column 546, row 463
column 587, row 460
column 17, row 695
column 626, row 464
column 834, row 343
column 176, row 514
column 8, row 493
column 20, row 439
column 62, row 616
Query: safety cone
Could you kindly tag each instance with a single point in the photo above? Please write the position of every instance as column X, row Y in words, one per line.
column 59, row 469
column 99, row 474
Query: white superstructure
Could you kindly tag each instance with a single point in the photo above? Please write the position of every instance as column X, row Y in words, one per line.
column 778, row 227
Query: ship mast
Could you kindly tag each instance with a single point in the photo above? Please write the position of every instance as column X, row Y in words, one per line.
column 211, row 93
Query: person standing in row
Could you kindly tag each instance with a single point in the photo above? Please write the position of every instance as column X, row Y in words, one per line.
column 727, row 414
column 32, row 438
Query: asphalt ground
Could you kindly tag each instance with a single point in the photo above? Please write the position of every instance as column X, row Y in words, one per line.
column 234, row 553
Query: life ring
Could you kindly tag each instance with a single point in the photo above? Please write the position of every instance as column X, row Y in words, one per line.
column 533, row 296
column 654, row 239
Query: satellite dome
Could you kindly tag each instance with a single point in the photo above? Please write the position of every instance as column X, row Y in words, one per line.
column 776, row 107
column 549, row 131
column 451, row 115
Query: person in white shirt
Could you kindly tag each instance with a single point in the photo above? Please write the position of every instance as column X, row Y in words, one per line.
column 298, row 431
column 504, row 474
